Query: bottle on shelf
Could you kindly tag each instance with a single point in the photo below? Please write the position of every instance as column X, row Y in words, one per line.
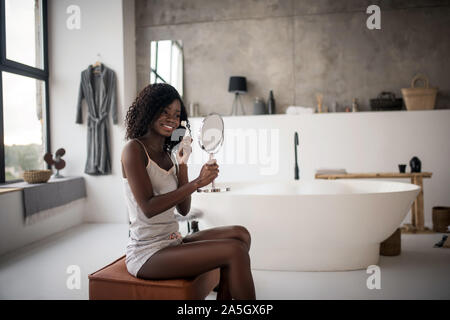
column 355, row 105
column 271, row 103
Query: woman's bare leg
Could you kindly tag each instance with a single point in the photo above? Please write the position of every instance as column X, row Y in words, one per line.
column 228, row 232
column 223, row 290
column 192, row 259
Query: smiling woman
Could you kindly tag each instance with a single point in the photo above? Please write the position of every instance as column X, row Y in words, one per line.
column 155, row 183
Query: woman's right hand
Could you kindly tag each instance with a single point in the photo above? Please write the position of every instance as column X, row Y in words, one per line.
column 207, row 174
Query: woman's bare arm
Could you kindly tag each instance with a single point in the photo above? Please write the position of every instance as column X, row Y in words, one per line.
column 141, row 186
column 184, row 206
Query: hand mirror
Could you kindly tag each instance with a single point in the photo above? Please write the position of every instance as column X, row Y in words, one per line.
column 210, row 139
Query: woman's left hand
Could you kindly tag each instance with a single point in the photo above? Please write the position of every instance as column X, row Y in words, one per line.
column 184, row 151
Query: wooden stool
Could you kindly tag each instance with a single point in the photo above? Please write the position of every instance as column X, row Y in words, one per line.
column 114, row 282
column 392, row 245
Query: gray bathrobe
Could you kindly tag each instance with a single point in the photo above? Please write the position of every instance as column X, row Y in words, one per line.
column 99, row 91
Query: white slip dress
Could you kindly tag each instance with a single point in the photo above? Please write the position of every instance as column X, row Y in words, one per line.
column 149, row 235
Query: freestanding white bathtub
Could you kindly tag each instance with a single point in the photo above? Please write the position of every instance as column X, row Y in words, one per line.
column 317, row 225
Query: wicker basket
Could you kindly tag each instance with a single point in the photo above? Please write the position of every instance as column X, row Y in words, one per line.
column 441, row 219
column 37, row 176
column 392, row 245
column 419, row 98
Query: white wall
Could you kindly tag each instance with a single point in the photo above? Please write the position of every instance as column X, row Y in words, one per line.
column 15, row 234
column 107, row 28
column 104, row 25
column 358, row 142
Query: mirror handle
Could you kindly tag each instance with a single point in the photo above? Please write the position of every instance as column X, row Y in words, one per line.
column 211, row 157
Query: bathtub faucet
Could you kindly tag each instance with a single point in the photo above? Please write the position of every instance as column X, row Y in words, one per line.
column 297, row 175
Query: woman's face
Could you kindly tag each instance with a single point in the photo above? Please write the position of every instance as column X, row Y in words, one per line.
column 169, row 119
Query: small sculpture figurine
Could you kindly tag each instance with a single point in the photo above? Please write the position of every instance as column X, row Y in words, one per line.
column 57, row 162
column 415, row 164
column 355, row 107
column 319, row 98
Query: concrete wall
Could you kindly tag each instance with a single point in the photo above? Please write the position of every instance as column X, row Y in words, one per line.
column 298, row 48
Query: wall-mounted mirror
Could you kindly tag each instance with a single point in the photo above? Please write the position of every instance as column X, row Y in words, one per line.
column 166, row 63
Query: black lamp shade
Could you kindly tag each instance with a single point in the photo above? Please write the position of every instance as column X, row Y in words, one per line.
column 237, row 84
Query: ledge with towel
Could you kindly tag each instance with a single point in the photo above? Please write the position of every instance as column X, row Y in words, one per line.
column 42, row 196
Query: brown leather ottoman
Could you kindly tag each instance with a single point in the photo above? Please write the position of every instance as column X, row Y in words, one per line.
column 114, row 282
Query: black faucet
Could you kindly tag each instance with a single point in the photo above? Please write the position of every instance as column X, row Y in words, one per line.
column 297, row 175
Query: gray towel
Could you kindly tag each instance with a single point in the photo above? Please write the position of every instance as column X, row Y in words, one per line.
column 42, row 196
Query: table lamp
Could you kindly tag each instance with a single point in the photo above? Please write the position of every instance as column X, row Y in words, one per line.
column 237, row 85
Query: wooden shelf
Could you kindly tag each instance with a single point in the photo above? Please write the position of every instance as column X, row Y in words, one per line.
column 417, row 209
column 373, row 175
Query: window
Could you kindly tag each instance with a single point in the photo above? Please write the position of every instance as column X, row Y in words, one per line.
column 24, row 105
column 166, row 63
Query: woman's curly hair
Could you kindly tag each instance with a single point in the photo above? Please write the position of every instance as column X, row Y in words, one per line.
column 148, row 106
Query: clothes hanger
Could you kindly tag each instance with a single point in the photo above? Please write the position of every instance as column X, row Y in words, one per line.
column 97, row 64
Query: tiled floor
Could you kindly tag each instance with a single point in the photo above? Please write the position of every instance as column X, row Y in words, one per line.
column 39, row 271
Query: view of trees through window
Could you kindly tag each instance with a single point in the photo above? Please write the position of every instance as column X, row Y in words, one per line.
column 23, row 88
column 19, row 158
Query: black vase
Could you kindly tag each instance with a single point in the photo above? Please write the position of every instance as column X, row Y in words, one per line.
column 271, row 104
column 415, row 164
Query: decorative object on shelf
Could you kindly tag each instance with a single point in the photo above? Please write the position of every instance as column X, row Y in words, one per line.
column 422, row 98
column 319, row 98
column 259, row 107
column 334, row 107
column 58, row 162
column 194, row 110
column 99, row 91
column 355, row 107
column 296, row 168
column 299, row 110
column 441, row 219
column 402, row 168
column 238, row 86
column 386, row 101
column 271, row 108
column 415, row 164
column 37, row 176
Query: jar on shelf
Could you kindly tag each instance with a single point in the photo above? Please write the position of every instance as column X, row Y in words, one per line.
column 259, row 107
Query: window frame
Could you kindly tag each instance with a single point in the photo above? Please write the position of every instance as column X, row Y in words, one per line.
column 155, row 70
column 18, row 68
